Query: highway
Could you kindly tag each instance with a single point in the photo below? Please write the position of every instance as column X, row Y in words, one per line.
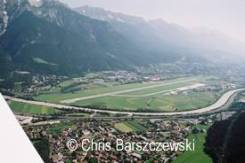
column 217, row 105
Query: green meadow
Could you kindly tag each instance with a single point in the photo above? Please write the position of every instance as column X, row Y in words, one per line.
column 146, row 96
column 24, row 108
column 198, row 155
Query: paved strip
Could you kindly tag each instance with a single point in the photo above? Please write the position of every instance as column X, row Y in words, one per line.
column 69, row 101
column 193, row 86
column 220, row 103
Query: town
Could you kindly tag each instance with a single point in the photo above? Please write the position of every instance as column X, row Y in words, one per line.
column 130, row 130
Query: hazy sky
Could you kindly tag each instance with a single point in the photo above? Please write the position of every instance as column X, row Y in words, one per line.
column 227, row 16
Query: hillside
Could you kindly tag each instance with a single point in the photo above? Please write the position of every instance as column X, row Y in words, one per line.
column 70, row 42
column 48, row 37
column 165, row 37
column 230, row 145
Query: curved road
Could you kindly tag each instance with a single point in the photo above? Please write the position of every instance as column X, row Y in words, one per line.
column 220, row 103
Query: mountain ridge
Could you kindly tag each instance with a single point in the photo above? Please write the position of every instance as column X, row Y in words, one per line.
column 95, row 38
column 201, row 42
column 47, row 31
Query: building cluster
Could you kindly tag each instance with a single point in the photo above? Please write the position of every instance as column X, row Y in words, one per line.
column 145, row 130
column 44, row 82
column 99, row 131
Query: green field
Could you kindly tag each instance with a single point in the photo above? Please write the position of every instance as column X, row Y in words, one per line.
column 197, row 156
column 123, row 127
column 148, row 96
column 129, row 126
column 58, row 96
column 23, row 108
column 58, row 128
column 155, row 103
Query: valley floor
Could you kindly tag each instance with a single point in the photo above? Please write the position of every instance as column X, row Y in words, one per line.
column 169, row 95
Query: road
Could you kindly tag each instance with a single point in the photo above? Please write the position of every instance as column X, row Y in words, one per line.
column 220, row 103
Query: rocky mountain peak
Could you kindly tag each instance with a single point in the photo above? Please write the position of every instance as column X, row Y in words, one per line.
column 109, row 16
column 35, row 3
column 3, row 17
